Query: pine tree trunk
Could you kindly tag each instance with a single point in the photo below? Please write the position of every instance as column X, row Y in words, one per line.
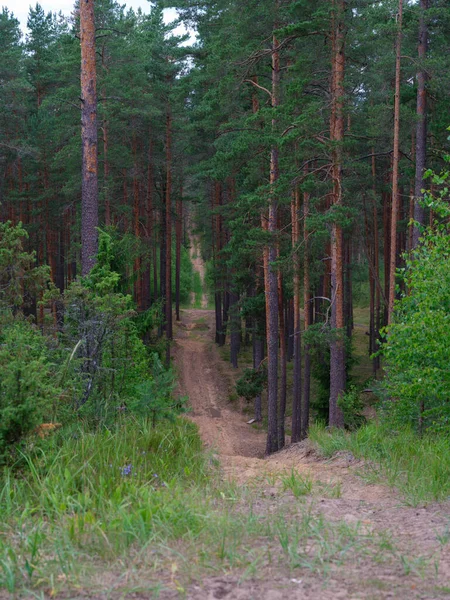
column 283, row 367
column 168, row 233
column 307, row 311
column 395, row 162
column 136, row 228
column 258, row 357
column 178, row 234
column 421, row 126
column 162, row 260
column 297, row 371
column 235, row 329
column 337, row 347
column 146, row 278
column 89, row 188
column 376, row 264
column 106, row 174
column 271, row 280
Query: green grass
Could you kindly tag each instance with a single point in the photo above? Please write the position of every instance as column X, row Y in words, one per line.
column 95, row 495
column 74, row 519
column 77, row 511
column 419, row 467
column 197, row 289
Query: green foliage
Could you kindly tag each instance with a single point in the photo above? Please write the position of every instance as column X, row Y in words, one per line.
column 252, row 383
column 352, row 407
column 28, row 386
column 112, row 360
column 319, row 337
column 154, row 397
column 20, row 279
column 416, row 345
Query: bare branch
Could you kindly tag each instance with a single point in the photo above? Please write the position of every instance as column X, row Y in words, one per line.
column 258, row 86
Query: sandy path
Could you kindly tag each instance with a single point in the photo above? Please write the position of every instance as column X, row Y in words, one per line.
column 221, row 426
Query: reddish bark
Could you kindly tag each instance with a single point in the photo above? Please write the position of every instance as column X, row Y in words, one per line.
column 421, row 126
column 395, row 163
column 337, row 348
column 271, row 279
column 178, row 235
column 307, row 311
column 89, row 191
column 297, row 371
column 168, row 298
column 136, row 227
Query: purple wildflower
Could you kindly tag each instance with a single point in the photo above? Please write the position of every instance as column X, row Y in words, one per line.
column 126, row 470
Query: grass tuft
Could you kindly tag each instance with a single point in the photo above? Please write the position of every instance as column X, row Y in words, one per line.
column 419, row 467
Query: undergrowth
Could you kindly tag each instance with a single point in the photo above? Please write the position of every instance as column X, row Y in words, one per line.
column 419, row 467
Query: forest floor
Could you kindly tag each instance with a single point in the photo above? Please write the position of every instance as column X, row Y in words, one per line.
column 340, row 537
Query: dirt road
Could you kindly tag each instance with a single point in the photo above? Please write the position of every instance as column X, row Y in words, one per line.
column 202, row 377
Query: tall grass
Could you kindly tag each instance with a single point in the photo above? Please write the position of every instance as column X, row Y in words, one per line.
column 419, row 467
column 98, row 493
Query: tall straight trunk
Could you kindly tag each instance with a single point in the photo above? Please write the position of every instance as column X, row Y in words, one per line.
column 386, row 250
column 235, row 329
column 283, row 366
column 395, row 162
column 106, row 174
column 125, row 199
column 168, row 231
column 60, row 279
column 89, row 188
column 155, row 257
column 307, row 311
column 178, row 235
column 421, row 126
column 348, row 300
column 297, row 371
column 162, row 258
column 290, row 330
column 372, row 284
column 270, row 276
column 376, row 265
column 258, row 357
column 225, row 311
column 337, row 347
column 217, row 246
column 146, row 278
column 136, row 227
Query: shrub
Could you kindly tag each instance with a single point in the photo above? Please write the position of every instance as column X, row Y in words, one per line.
column 28, row 385
column 352, row 407
column 252, row 383
column 416, row 346
column 154, row 396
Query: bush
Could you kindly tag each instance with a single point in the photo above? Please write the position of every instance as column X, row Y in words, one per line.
column 416, row 348
column 252, row 383
column 28, row 386
column 352, row 407
column 154, row 396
